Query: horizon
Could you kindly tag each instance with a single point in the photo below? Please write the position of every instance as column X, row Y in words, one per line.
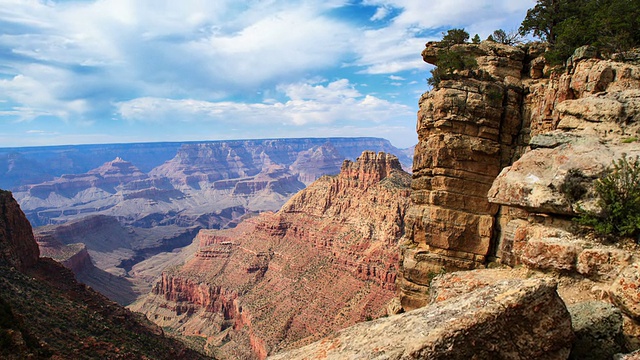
column 203, row 141
column 80, row 72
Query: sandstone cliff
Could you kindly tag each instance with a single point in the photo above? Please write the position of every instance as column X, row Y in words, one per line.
column 326, row 260
column 499, row 144
column 473, row 127
column 47, row 314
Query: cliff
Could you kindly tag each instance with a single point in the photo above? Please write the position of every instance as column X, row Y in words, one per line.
column 101, row 252
column 326, row 260
column 16, row 237
column 508, row 153
column 47, row 314
column 467, row 132
column 209, row 184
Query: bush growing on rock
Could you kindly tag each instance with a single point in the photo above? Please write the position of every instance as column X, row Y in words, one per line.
column 619, row 200
column 609, row 25
column 455, row 36
column 450, row 60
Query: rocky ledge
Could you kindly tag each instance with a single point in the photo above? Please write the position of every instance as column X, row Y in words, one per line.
column 515, row 319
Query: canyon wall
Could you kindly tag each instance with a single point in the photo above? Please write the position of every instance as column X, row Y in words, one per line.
column 509, row 150
column 326, row 260
column 468, row 129
column 47, row 314
column 497, row 142
column 209, row 184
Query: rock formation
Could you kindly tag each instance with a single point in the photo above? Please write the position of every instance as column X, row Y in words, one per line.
column 467, row 130
column 101, row 252
column 517, row 319
column 47, row 314
column 508, row 153
column 326, row 260
column 16, row 237
column 208, row 184
column 496, row 144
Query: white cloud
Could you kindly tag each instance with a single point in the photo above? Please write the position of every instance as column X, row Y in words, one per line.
column 307, row 104
column 195, row 60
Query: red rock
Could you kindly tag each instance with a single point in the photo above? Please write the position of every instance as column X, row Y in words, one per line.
column 625, row 291
column 18, row 247
column 326, row 260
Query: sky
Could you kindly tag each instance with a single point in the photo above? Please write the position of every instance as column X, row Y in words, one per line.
column 122, row 71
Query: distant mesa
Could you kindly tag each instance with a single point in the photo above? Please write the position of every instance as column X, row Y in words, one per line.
column 193, row 186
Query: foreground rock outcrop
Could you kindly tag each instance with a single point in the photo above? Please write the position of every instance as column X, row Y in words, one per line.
column 47, row 314
column 325, row 261
column 508, row 152
column 516, row 319
column 467, row 129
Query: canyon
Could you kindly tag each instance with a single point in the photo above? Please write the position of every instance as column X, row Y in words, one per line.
column 133, row 219
column 473, row 255
column 326, row 260
column 45, row 313
column 504, row 146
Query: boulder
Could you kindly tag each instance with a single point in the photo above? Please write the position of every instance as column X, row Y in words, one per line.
column 598, row 329
column 625, row 291
column 514, row 319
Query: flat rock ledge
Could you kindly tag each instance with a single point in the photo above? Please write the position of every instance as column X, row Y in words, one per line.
column 513, row 319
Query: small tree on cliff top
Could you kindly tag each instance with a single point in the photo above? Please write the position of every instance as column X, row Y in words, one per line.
column 455, row 36
column 449, row 60
column 609, row 25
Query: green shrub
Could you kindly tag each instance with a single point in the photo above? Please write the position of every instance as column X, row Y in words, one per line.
column 455, row 36
column 447, row 62
column 619, row 200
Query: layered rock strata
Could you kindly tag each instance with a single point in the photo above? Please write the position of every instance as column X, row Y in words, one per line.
column 47, row 314
column 517, row 319
column 325, row 261
column 467, row 131
column 507, row 155
column 209, row 184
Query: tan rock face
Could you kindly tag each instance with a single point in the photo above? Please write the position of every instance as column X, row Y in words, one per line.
column 625, row 291
column 326, row 260
column 516, row 319
column 466, row 129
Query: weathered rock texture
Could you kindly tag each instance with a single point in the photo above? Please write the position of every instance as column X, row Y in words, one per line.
column 598, row 329
column 507, row 153
column 47, row 314
column 467, row 129
column 325, row 261
column 517, row 319
column 17, row 247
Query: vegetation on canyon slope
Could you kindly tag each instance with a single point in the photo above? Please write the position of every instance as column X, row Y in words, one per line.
column 619, row 200
column 609, row 25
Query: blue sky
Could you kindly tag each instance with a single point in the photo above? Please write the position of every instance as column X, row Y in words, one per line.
column 117, row 71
